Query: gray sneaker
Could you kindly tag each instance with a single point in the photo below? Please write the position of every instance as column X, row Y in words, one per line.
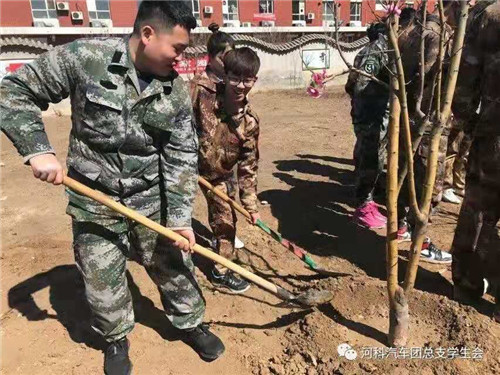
column 230, row 281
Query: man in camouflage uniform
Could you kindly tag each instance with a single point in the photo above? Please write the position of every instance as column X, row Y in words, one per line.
column 409, row 44
column 370, row 118
column 476, row 246
column 133, row 138
column 229, row 132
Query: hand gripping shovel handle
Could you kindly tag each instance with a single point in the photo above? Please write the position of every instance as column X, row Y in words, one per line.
column 131, row 214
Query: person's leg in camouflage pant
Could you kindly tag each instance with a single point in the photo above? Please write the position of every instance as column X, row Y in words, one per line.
column 172, row 270
column 222, row 220
column 369, row 159
column 101, row 251
column 476, row 245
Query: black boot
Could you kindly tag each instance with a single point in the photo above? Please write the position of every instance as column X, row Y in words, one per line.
column 208, row 346
column 116, row 360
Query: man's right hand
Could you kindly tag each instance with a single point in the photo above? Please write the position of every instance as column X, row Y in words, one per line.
column 46, row 167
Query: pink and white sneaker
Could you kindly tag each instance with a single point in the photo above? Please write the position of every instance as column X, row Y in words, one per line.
column 365, row 216
column 377, row 213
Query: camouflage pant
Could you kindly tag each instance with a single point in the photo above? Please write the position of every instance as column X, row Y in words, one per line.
column 222, row 219
column 420, row 169
column 456, row 160
column 369, row 157
column 101, row 251
column 476, row 246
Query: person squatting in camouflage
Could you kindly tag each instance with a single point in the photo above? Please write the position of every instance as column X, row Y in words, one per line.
column 370, row 118
column 228, row 131
column 133, row 138
column 476, row 246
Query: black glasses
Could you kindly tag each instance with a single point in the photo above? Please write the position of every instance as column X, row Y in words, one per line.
column 247, row 82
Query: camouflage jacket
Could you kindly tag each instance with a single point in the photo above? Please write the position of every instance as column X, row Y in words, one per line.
column 369, row 99
column 409, row 44
column 479, row 75
column 226, row 141
column 140, row 148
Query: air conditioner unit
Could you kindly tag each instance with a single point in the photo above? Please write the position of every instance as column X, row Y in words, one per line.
column 310, row 16
column 246, row 24
column 208, row 10
column 355, row 23
column 267, row 23
column 299, row 23
column 301, row 11
column 62, row 6
column 101, row 23
column 77, row 16
column 328, row 23
column 231, row 24
column 47, row 22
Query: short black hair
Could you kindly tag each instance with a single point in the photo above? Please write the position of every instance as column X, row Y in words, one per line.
column 164, row 15
column 242, row 62
column 375, row 29
column 218, row 41
column 407, row 16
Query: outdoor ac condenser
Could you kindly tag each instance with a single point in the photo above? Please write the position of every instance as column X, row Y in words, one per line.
column 267, row 23
column 77, row 16
column 63, row 5
column 208, row 10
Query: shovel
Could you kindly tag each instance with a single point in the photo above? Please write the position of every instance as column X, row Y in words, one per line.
column 297, row 250
column 308, row 298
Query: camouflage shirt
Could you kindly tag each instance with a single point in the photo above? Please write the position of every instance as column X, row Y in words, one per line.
column 139, row 147
column 479, row 75
column 369, row 99
column 226, row 141
column 409, row 44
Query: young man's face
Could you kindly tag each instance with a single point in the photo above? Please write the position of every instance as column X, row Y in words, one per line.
column 239, row 87
column 163, row 49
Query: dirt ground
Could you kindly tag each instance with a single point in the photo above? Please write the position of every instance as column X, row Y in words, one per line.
column 306, row 175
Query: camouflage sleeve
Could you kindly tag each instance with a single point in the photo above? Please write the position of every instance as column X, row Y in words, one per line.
column 27, row 92
column 248, row 163
column 431, row 50
column 179, row 167
column 368, row 60
column 468, row 89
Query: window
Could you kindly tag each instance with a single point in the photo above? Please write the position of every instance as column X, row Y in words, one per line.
column 230, row 10
column 298, row 10
column 356, row 11
column 195, row 8
column 266, row 6
column 328, row 10
column 43, row 9
column 98, row 9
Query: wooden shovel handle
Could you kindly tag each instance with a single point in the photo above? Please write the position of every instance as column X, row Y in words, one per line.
column 170, row 234
column 224, row 197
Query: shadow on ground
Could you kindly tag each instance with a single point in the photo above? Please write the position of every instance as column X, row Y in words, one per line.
column 67, row 298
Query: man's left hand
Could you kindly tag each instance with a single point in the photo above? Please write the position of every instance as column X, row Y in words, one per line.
column 183, row 245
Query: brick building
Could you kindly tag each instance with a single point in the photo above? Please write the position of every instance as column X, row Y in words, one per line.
column 231, row 13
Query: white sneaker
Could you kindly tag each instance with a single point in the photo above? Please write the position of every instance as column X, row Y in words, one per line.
column 450, row 197
column 238, row 244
